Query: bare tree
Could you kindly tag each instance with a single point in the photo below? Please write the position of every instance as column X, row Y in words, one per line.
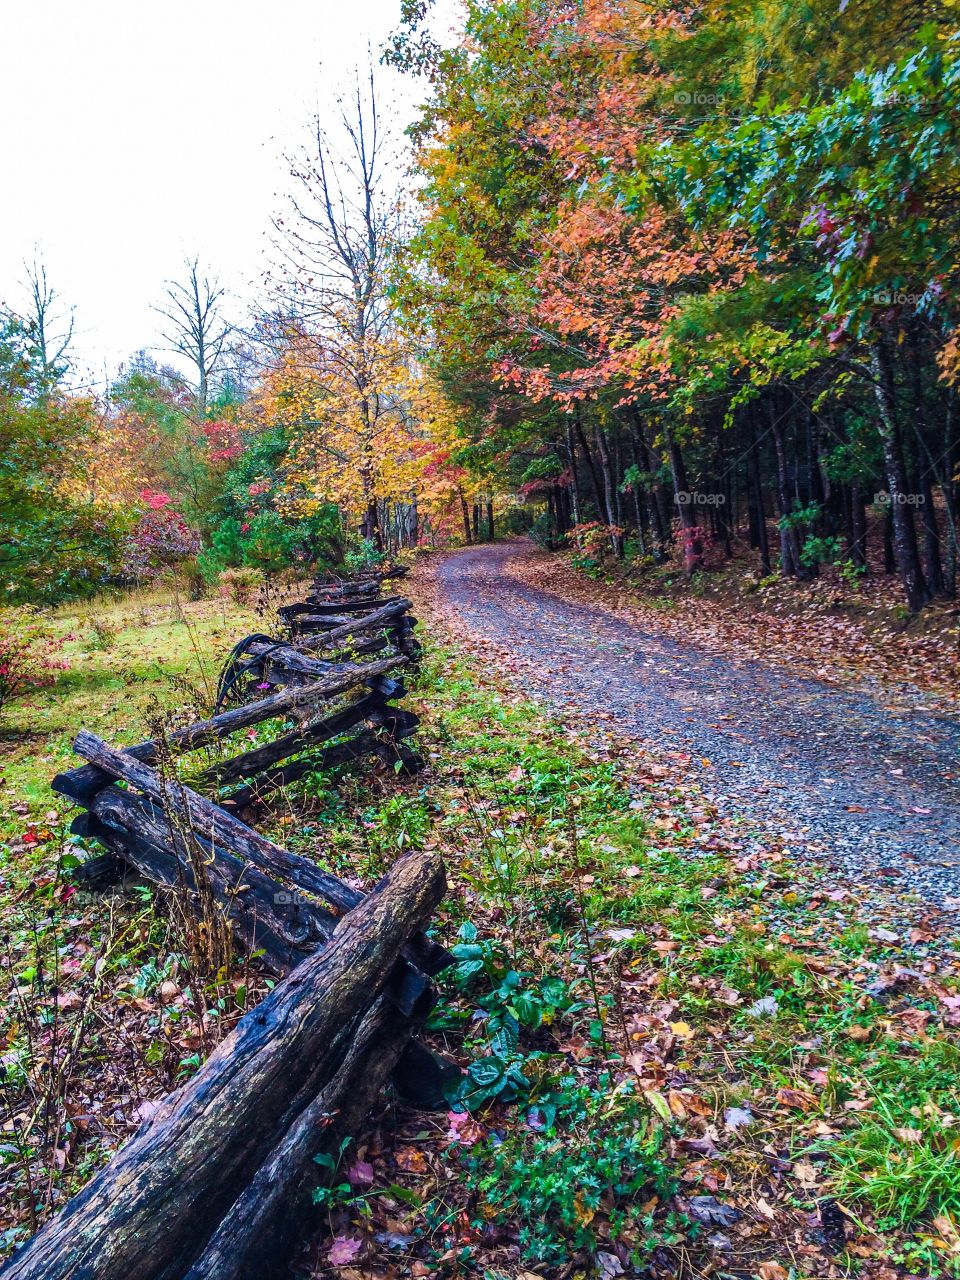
column 196, row 327
column 335, row 245
column 50, row 329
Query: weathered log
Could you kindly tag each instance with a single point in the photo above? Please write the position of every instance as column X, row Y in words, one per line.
column 152, row 1211
column 367, row 622
column 347, row 590
column 265, row 1226
column 331, row 607
column 80, row 784
column 288, row 744
column 282, row 927
column 389, row 751
column 212, row 823
column 316, row 762
column 287, row 665
column 375, row 576
column 264, row 915
column 224, row 831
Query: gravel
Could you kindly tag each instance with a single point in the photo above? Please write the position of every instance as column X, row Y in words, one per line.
column 851, row 778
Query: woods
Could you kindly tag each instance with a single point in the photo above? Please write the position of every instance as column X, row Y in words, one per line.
column 693, row 273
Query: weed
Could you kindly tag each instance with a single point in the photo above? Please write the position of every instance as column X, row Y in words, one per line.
column 586, row 1167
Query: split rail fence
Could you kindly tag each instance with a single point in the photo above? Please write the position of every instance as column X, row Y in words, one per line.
column 217, row 1182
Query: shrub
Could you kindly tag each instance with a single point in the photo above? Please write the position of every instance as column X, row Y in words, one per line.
column 28, row 653
column 594, row 538
column 543, row 531
column 192, row 578
column 161, row 539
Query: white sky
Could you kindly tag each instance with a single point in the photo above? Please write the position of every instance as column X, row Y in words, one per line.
column 137, row 134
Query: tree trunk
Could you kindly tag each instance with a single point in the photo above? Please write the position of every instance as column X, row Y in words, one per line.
column 465, row 512
column 591, row 468
column 689, row 525
column 758, row 515
column 858, row 527
column 574, row 479
column 924, row 489
column 790, row 563
column 603, row 449
column 904, row 532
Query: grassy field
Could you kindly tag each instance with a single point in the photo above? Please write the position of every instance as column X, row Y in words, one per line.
column 122, row 656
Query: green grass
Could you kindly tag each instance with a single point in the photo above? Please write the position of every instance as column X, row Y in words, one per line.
column 511, row 785
column 111, row 690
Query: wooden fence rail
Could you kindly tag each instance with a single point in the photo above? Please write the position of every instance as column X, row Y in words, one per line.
column 215, row 1184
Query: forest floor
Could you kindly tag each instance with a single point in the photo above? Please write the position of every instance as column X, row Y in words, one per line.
column 864, row 776
column 688, row 1053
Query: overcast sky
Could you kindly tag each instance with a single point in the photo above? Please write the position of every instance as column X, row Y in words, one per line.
column 137, row 134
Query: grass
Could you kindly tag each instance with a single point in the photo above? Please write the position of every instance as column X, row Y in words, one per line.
column 699, row 977
column 124, row 657
column 84, row 1031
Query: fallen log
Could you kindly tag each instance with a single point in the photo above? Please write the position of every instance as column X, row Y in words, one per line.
column 368, row 622
column 262, row 784
column 286, row 665
column 288, row 744
column 266, row 1224
column 285, row 927
column 328, row 608
column 212, row 823
column 153, row 1211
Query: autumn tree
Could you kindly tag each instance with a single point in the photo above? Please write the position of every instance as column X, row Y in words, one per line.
column 54, row 542
column 346, row 371
column 673, row 254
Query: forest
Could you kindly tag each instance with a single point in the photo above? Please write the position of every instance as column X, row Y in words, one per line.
column 668, row 279
column 479, row 710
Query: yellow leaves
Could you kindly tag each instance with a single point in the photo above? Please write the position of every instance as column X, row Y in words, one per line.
column 585, row 1215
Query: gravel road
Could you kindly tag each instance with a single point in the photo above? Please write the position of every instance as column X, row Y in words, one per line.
column 841, row 775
